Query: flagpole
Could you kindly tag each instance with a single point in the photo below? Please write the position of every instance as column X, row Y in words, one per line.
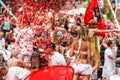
column 8, row 10
column 117, row 23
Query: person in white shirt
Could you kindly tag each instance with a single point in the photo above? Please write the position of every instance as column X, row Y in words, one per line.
column 55, row 57
column 71, row 21
column 109, row 64
column 6, row 54
column 13, row 73
column 16, row 73
column 2, row 41
column 25, row 43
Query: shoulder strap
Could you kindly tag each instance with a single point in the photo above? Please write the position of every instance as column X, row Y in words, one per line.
column 79, row 44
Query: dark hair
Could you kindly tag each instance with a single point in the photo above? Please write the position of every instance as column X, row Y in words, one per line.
column 53, row 46
column 34, row 55
column 2, row 66
column 109, row 42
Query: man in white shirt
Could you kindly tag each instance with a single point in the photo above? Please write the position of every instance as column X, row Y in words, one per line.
column 6, row 54
column 109, row 64
column 2, row 41
column 25, row 46
column 13, row 73
column 55, row 57
column 16, row 73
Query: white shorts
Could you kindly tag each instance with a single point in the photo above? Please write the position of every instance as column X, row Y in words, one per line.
column 83, row 69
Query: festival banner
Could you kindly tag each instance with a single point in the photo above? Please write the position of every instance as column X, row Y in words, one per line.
column 90, row 11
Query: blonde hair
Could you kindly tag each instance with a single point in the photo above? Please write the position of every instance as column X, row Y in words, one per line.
column 83, row 33
column 93, row 24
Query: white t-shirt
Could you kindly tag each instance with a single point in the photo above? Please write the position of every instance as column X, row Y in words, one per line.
column 2, row 43
column 6, row 54
column 109, row 65
column 71, row 22
column 57, row 59
column 25, row 39
column 15, row 73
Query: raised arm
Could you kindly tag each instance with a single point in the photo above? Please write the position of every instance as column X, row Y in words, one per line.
column 117, row 30
column 104, row 42
column 107, row 30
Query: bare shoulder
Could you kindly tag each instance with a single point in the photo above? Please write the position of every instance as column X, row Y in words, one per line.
column 88, row 43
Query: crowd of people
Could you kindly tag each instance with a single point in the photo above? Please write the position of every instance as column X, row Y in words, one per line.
column 41, row 38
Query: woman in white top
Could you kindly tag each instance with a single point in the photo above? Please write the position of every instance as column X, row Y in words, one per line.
column 81, row 49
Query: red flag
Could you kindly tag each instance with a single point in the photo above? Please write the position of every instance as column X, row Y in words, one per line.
column 90, row 11
column 101, row 26
column 93, row 11
column 52, row 73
